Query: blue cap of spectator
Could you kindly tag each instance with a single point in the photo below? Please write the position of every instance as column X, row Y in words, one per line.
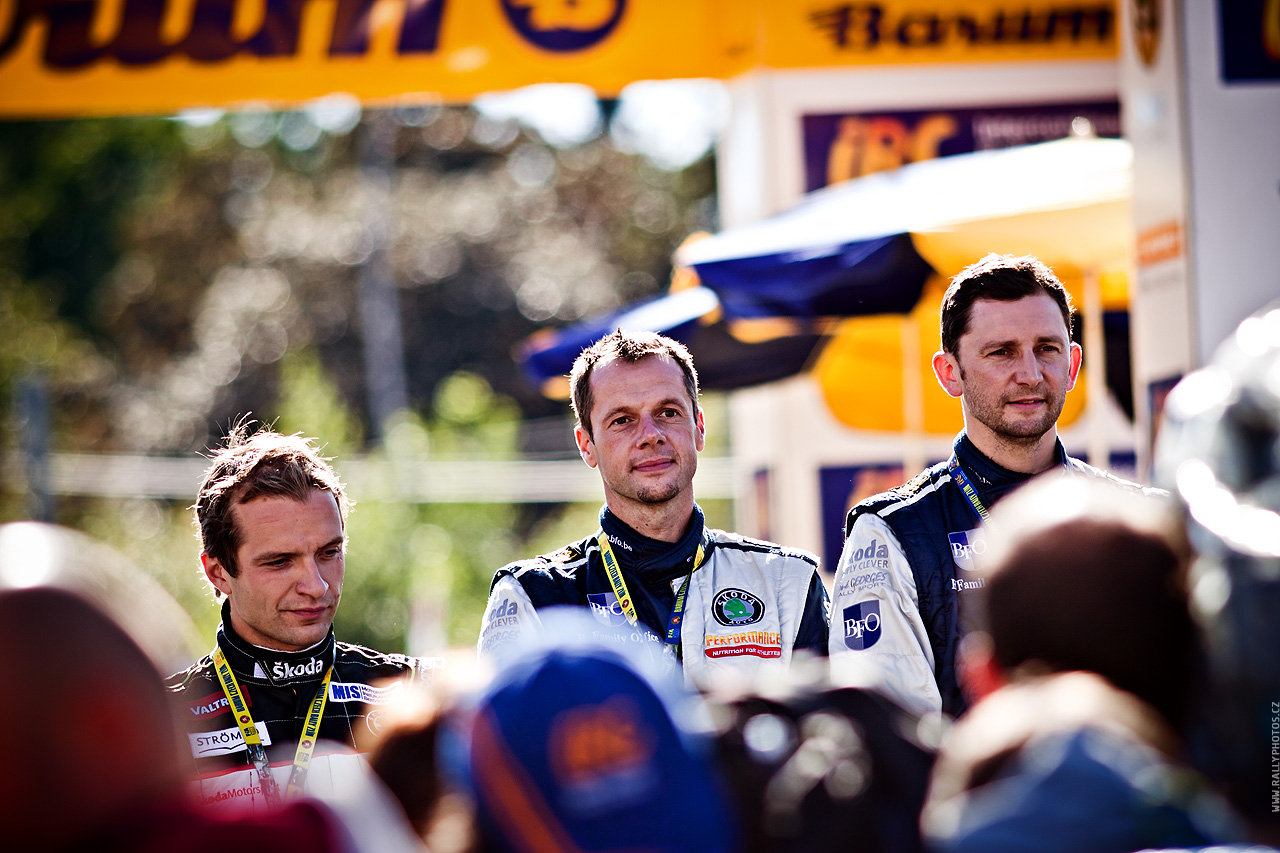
column 577, row 746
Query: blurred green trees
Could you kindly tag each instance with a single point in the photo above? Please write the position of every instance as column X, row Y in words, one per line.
column 162, row 279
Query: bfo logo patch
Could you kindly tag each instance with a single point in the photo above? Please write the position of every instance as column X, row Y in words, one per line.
column 733, row 607
column 564, row 25
column 606, row 609
column 966, row 547
column 862, row 625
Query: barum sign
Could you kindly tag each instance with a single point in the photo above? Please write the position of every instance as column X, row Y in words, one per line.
column 82, row 57
column 77, row 57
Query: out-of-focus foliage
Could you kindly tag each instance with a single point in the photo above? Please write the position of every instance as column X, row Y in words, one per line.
column 426, row 568
column 164, row 278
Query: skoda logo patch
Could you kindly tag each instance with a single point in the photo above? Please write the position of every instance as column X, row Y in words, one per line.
column 734, row 607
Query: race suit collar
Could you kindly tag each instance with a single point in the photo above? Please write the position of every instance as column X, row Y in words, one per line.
column 655, row 563
column 994, row 481
column 257, row 665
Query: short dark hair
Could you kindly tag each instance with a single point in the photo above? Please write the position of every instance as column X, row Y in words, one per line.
column 629, row 347
column 1005, row 278
column 250, row 466
column 1124, row 583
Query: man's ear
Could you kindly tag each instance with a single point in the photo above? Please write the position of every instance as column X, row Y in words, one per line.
column 586, row 447
column 947, row 369
column 1077, row 356
column 216, row 573
column 701, row 440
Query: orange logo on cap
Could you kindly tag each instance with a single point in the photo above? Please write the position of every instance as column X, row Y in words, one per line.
column 595, row 740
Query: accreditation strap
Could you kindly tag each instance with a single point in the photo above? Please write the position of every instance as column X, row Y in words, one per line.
column 614, row 571
column 258, row 754
column 971, row 494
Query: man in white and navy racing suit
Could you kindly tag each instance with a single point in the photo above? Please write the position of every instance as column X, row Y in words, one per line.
column 905, row 573
column 751, row 601
column 746, row 603
column 277, row 708
column 279, row 687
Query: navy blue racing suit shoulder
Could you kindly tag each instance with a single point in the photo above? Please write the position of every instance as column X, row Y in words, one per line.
column 552, row 579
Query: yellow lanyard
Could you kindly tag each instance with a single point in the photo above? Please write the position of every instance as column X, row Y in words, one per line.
column 614, row 571
column 967, row 489
column 306, row 743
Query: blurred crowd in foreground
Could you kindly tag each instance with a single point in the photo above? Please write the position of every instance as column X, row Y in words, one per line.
column 1122, row 670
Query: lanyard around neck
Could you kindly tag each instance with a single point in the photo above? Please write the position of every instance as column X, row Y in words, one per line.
column 614, row 571
column 966, row 487
column 306, row 743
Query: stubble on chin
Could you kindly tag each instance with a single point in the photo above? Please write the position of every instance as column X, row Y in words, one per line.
column 658, row 494
column 1028, row 431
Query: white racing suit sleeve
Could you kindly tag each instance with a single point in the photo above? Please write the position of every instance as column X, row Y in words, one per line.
column 878, row 639
column 508, row 616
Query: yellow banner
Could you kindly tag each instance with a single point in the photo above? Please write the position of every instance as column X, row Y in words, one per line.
column 86, row 57
column 836, row 32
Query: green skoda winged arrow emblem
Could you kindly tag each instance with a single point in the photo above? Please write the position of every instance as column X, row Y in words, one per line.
column 734, row 607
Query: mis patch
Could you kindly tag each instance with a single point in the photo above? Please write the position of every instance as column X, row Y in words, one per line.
column 605, row 607
column 862, row 625
column 733, row 607
column 966, row 547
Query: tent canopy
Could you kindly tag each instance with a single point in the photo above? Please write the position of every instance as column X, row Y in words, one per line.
column 1065, row 201
column 865, row 251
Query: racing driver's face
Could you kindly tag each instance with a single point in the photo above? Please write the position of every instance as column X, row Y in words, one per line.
column 290, row 563
column 646, row 433
column 1015, row 365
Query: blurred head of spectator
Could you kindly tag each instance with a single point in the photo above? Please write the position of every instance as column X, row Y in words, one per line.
column 1084, row 576
column 91, row 732
column 92, row 761
column 1085, row 654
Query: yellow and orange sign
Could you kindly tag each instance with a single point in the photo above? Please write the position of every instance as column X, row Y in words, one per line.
column 84, row 57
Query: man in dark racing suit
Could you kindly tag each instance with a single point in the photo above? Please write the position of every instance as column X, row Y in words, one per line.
column 910, row 554
column 276, row 708
column 713, row 601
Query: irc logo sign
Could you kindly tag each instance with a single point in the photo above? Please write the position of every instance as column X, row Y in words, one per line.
column 606, row 609
column 862, row 625
column 967, row 546
column 564, row 25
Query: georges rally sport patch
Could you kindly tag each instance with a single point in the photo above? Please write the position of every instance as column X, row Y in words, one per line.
column 733, row 607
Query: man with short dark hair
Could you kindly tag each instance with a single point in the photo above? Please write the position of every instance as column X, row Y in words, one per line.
column 275, row 709
column 909, row 556
column 714, row 601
